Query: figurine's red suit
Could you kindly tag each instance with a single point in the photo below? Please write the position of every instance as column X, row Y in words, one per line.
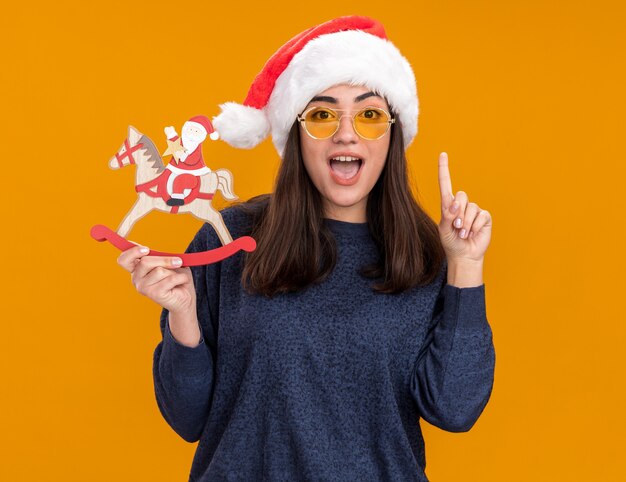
column 184, row 176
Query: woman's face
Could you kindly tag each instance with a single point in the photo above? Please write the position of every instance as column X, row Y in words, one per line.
column 345, row 185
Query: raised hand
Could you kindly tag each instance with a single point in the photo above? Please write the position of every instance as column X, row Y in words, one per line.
column 170, row 132
column 465, row 228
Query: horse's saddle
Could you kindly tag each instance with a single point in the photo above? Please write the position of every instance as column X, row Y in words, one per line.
column 175, row 180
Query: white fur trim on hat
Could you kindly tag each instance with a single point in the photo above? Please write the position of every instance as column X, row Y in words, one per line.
column 240, row 125
column 349, row 57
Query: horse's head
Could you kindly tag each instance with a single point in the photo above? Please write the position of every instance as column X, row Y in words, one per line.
column 128, row 152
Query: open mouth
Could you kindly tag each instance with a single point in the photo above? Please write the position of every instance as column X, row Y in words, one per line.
column 345, row 167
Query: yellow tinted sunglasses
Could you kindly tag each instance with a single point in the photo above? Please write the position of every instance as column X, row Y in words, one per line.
column 369, row 123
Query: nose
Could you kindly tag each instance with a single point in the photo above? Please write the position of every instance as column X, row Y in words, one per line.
column 345, row 133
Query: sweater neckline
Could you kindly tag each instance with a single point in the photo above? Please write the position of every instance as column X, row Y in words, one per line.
column 345, row 227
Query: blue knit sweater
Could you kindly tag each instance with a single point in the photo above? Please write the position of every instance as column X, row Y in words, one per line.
column 327, row 384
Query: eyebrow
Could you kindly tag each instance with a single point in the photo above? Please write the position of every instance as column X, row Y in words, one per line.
column 333, row 100
column 324, row 98
column 365, row 96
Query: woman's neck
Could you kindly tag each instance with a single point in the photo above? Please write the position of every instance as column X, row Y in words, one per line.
column 349, row 214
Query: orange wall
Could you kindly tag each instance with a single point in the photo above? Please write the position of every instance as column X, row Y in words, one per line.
column 526, row 97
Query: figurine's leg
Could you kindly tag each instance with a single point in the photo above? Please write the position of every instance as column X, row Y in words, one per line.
column 202, row 209
column 142, row 206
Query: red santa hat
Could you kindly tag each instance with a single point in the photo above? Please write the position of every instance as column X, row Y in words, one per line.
column 347, row 50
column 203, row 122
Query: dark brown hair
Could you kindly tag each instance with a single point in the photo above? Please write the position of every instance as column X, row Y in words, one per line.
column 295, row 248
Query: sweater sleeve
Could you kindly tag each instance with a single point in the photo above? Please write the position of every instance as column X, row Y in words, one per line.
column 454, row 372
column 183, row 376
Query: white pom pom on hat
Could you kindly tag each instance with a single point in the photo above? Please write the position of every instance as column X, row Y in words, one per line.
column 242, row 125
column 346, row 50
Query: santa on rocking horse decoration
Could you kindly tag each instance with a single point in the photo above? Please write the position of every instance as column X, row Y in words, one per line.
column 185, row 185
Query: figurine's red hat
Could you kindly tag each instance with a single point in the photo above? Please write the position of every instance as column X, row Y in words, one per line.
column 204, row 122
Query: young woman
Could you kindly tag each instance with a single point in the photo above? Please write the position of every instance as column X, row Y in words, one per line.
column 315, row 356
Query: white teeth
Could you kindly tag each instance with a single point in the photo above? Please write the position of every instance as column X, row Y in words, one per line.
column 345, row 158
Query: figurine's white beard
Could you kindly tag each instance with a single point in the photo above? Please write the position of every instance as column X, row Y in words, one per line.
column 190, row 145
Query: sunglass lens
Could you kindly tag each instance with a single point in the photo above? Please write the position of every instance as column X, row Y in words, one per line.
column 321, row 122
column 371, row 123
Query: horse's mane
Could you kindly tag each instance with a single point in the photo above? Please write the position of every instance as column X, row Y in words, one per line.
column 152, row 153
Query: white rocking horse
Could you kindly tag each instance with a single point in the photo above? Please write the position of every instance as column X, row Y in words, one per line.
column 151, row 186
column 150, row 182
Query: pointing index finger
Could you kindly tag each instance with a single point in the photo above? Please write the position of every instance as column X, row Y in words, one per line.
column 445, row 183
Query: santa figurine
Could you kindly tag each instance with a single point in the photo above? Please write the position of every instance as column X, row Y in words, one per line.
column 187, row 164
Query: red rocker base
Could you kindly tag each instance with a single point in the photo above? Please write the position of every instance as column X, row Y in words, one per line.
column 245, row 243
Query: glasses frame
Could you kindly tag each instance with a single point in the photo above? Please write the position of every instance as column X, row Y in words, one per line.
column 302, row 120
